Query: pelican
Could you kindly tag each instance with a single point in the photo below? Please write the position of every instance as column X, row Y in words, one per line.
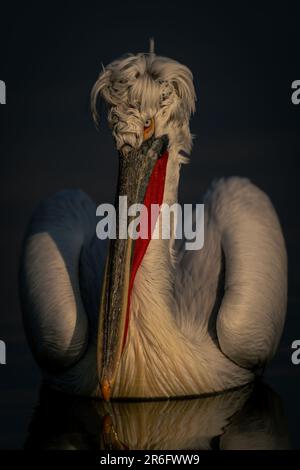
column 153, row 320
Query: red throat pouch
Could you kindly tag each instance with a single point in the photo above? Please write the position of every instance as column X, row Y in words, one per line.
column 154, row 195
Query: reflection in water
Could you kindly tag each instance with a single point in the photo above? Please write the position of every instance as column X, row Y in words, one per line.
column 249, row 418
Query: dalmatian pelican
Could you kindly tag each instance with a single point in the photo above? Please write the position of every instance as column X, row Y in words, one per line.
column 138, row 320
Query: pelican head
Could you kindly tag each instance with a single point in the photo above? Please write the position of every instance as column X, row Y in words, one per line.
column 149, row 101
column 146, row 95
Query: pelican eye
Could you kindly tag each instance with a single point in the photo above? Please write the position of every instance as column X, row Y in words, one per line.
column 148, row 128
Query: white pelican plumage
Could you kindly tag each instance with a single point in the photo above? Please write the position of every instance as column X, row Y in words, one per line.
column 198, row 322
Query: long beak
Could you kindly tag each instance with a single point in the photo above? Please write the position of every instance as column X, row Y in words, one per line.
column 135, row 169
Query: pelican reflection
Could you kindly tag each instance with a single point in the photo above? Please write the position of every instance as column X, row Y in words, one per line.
column 251, row 417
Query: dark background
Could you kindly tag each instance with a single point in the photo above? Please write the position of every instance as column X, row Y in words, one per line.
column 243, row 59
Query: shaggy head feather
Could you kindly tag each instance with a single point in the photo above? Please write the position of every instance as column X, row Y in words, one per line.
column 143, row 86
